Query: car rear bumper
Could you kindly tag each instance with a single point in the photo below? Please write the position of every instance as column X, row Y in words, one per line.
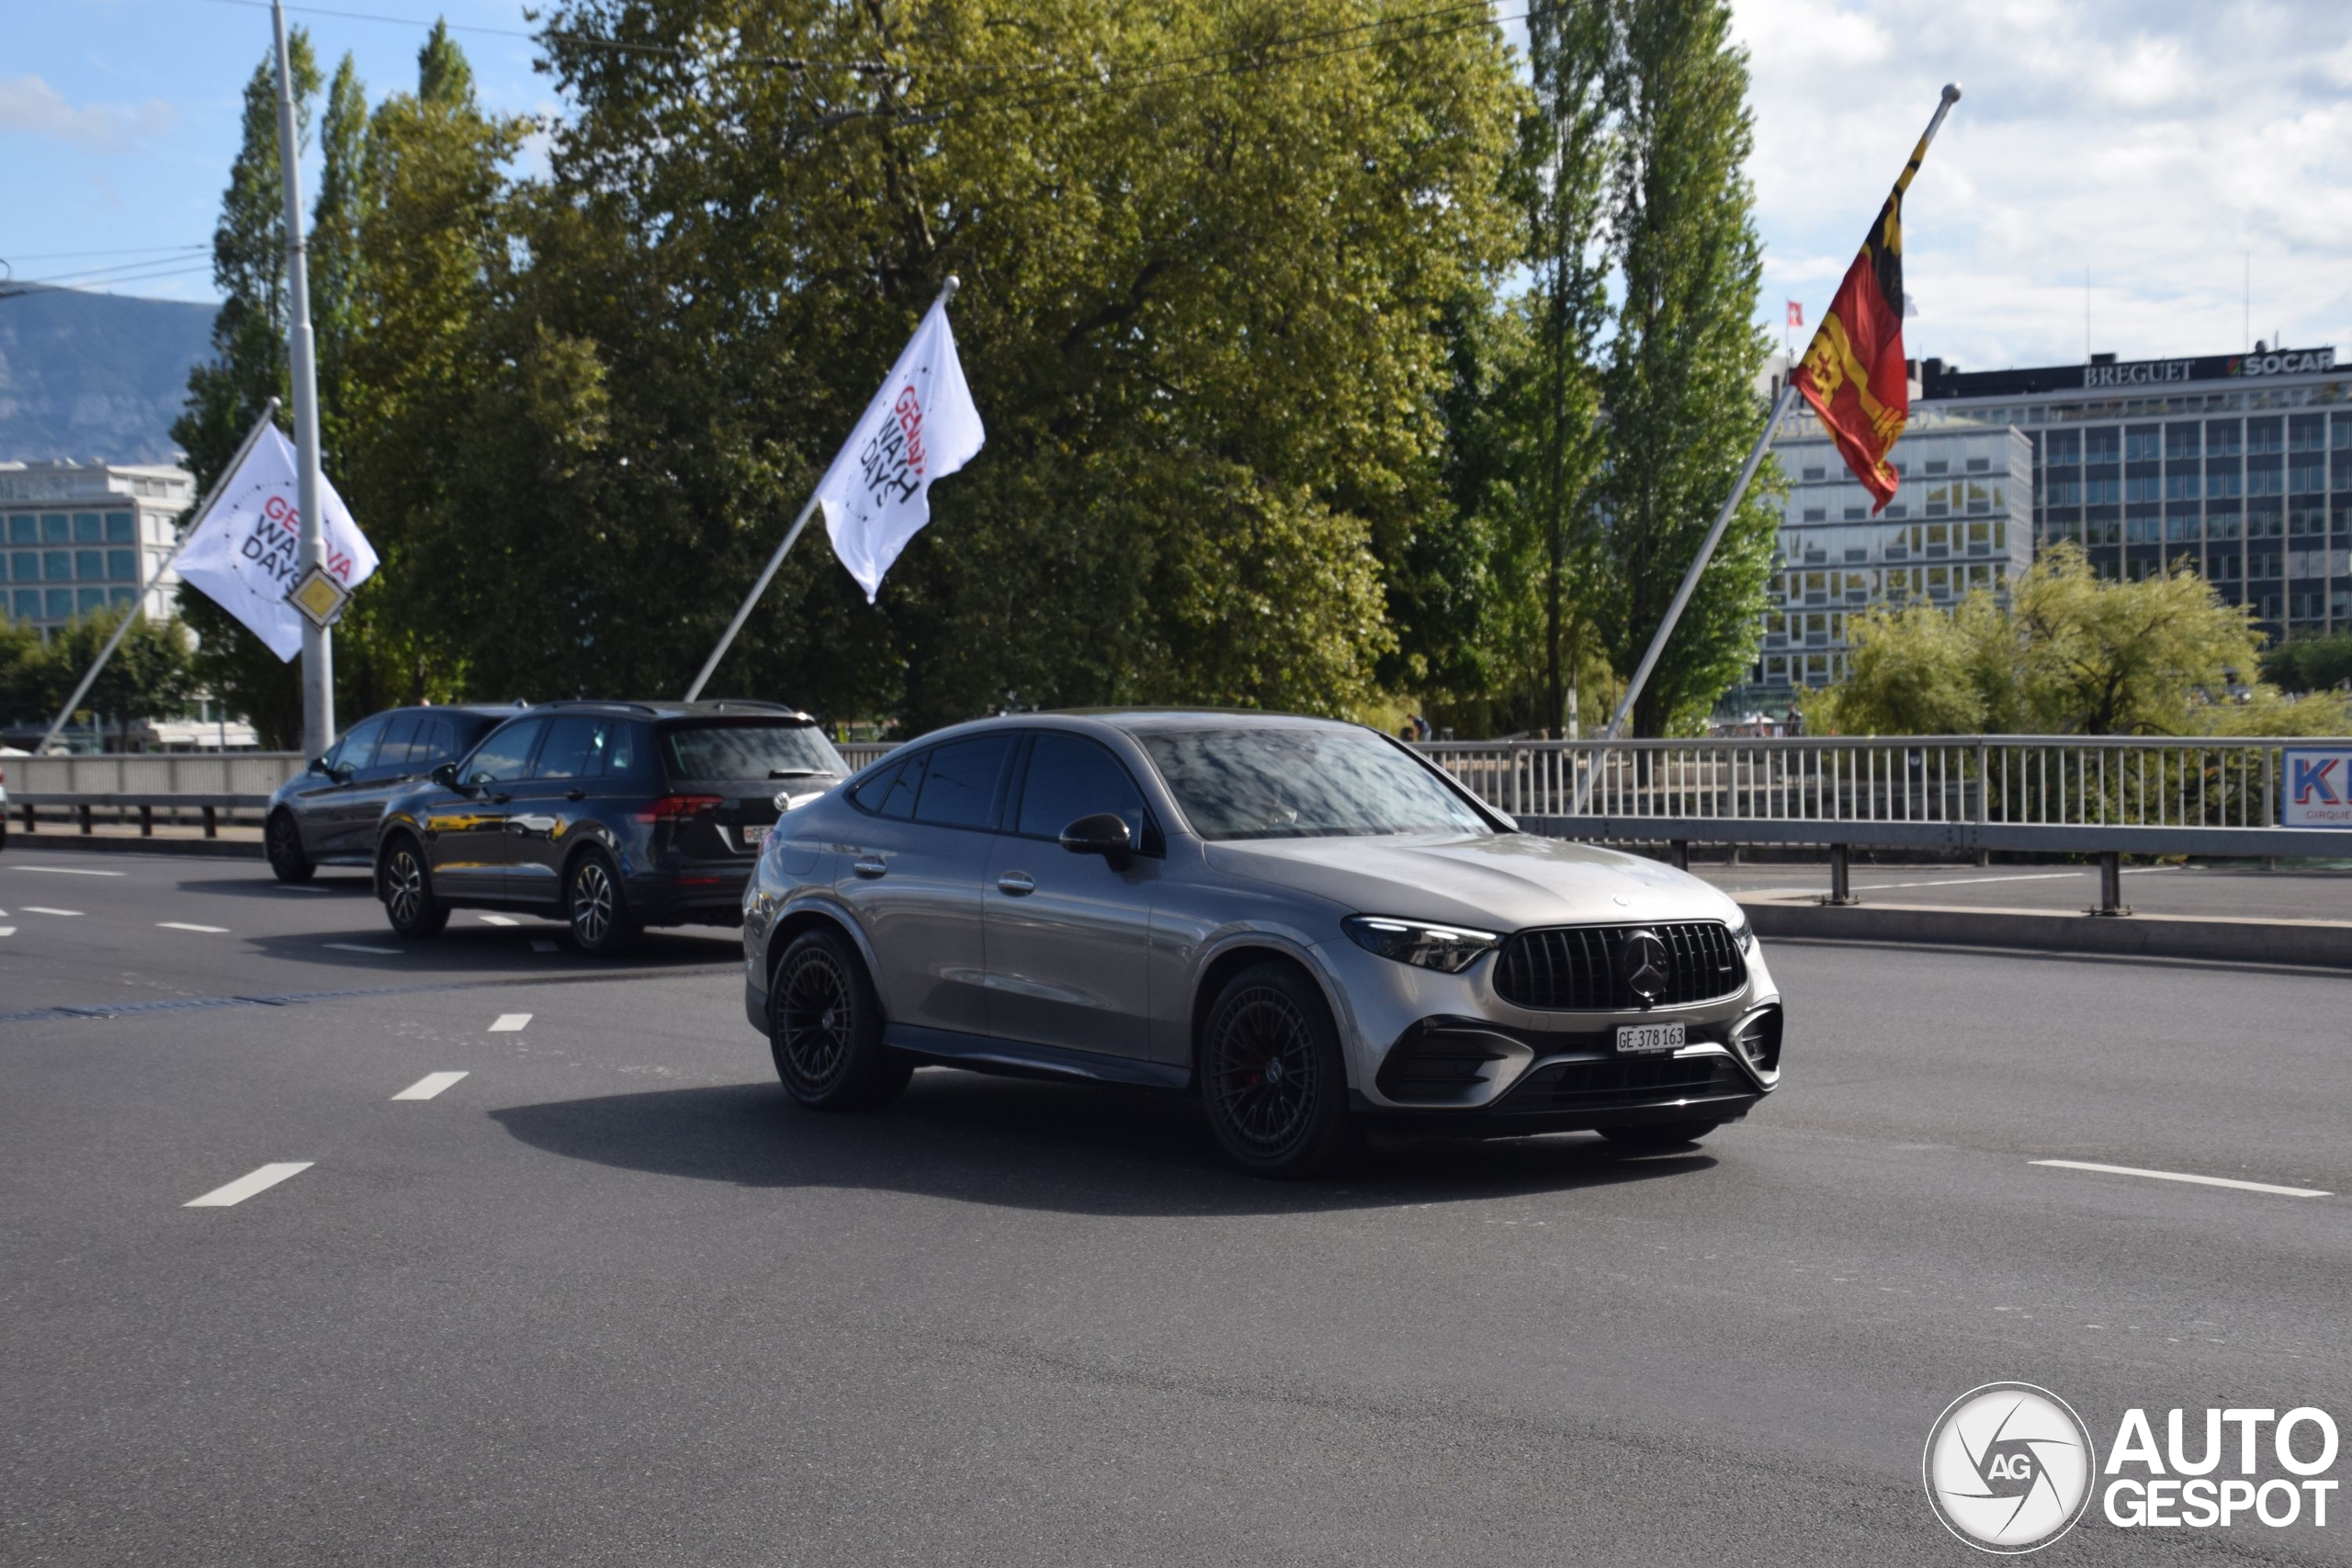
column 697, row 892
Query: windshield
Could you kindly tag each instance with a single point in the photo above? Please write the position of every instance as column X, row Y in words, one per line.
column 733, row 748
column 1295, row 784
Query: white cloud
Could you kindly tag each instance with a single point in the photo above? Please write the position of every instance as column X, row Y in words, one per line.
column 28, row 104
column 2154, row 141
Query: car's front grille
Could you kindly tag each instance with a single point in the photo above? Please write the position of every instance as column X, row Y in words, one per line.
column 1625, row 1081
column 1584, row 966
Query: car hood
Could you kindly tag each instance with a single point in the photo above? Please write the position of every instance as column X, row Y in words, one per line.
column 1492, row 881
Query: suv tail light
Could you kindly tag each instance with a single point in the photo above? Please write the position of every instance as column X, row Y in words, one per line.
column 679, row 807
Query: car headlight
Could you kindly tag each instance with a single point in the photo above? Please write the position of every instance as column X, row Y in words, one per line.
column 1450, row 948
column 1742, row 934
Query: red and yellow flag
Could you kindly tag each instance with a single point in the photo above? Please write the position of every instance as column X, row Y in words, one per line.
column 1853, row 373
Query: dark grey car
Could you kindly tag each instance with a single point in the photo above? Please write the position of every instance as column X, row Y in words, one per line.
column 326, row 815
column 1305, row 923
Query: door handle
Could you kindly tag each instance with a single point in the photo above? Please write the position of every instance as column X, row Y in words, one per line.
column 575, row 794
column 1020, row 884
column 869, row 867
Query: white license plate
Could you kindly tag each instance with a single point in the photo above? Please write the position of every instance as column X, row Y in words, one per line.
column 754, row 835
column 1639, row 1039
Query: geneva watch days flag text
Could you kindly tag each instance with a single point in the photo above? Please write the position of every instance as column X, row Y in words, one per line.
column 246, row 550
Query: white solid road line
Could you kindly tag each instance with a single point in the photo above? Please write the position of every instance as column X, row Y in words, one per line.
column 510, row 1022
column 71, row 871
column 244, row 1186
column 183, row 926
column 37, row 909
column 428, row 1086
column 2182, row 1175
column 500, row 920
column 356, row 947
column 1964, row 881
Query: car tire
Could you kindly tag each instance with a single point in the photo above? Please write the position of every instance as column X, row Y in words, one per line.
column 282, row 842
column 1273, row 1080
column 595, row 905
column 825, row 1028
column 404, row 882
column 1659, row 1134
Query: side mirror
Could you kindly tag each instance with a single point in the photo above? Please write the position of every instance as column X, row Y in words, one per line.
column 319, row 765
column 1104, row 833
column 445, row 775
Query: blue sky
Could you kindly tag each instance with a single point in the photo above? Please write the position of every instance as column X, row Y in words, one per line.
column 2155, row 142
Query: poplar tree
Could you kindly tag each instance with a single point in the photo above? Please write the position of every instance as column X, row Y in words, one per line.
column 1680, row 387
column 227, row 392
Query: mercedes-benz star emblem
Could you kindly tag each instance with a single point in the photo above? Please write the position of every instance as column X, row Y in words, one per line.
column 1645, row 966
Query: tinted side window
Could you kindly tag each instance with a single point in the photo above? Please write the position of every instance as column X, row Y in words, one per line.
column 575, row 748
column 891, row 792
column 436, row 742
column 358, row 744
column 503, row 758
column 1070, row 777
column 960, row 789
column 399, row 737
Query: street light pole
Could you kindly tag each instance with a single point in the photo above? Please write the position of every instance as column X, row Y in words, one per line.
column 318, row 643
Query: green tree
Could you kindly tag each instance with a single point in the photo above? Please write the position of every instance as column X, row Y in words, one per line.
column 1679, row 389
column 2310, row 663
column 24, row 685
column 2074, row 654
column 1205, row 314
column 229, row 392
column 150, row 676
column 1569, row 142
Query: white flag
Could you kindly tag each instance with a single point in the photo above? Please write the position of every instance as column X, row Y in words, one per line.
column 247, row 551
column 919, row 427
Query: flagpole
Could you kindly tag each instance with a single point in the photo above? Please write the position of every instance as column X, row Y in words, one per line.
column 138, row 605
column 946, row 292
column 318, row 642
column 1716, row 534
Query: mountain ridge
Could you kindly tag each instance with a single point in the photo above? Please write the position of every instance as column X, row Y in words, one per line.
column 85, row 374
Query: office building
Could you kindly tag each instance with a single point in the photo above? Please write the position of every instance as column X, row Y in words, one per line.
column 77, row 538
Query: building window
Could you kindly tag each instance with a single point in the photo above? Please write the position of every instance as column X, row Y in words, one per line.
column 2102, row 445
column 2264, row 435
column 2222, row 438
column 90, row 566
column 60, row 602
column 57, row 566
column 1815, row 475
column 2064, row 446
column 28, row 603
column 1939, row 465
column 1816, row 514
column 2139, row 444
column 1896, row 509
column 2180, row 441
column 122, row 566
column 89, row 529
column 2143, row 486
column 122, row 528
column 56, row 528
column 24, row 529
column 2181, row 485
column 1857, row 514
column 2307, row 432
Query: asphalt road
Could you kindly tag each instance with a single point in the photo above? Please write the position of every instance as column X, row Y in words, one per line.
column 608, row 1299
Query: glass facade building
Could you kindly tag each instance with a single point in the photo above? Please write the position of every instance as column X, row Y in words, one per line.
column 2238, row 465
column 77, row 537
column 1961, row 519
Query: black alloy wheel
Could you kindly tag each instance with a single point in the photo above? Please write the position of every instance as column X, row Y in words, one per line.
column 825, row 1028
column 1271, row 1078
column 283, row 841
column 406, row 887
column 1659, row 1134
column 596, row 907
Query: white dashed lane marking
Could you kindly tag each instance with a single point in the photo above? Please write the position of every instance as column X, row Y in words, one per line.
column 244, row 1186
column 2182, row 1175
column 510, row 1022
column 428, row 1086
column 7, row 930
column 500, row 920
column 71, row 871
column 359, row 947
column 38, row 910
column 183, row 926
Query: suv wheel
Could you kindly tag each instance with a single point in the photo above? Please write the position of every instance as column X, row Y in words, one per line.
column 405, row 885
column 596, row 907
column 825, row 1028
column 1271, row 1078
column 283, row 841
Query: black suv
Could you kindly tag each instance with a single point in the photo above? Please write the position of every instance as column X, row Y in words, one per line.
column 609, row 815
column 326, row 815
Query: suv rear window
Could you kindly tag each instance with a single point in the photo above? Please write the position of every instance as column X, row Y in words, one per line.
column 736, row 749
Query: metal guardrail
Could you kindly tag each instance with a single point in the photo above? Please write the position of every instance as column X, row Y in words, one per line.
column 2104, row 795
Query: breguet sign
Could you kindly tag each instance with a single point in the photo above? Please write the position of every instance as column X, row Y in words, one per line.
column 2149, row 372
column 1941, row 382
